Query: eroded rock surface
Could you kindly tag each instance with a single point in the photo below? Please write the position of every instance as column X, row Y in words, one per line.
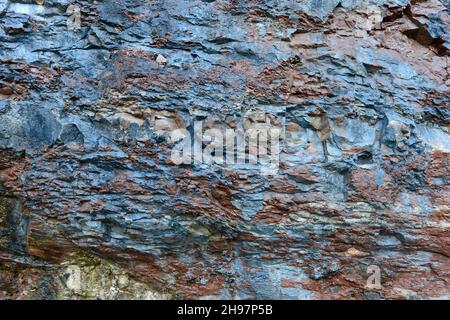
column 91, row 205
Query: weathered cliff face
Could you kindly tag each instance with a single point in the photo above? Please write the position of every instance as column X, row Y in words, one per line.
column 93, row 206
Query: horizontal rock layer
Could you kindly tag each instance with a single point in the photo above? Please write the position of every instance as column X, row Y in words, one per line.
column 91, row 205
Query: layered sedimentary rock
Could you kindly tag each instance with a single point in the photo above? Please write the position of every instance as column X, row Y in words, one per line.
column 92, row 205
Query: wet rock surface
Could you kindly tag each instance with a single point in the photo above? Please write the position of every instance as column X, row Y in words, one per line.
column 91, row 205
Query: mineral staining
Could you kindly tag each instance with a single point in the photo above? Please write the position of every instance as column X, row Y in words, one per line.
column 92, row 207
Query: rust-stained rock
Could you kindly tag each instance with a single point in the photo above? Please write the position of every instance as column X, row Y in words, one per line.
column 92, row 205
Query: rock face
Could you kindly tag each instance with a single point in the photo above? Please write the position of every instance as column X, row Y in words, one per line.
column 92, row 206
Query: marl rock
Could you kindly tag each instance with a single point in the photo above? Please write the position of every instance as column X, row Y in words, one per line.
column 91, row 205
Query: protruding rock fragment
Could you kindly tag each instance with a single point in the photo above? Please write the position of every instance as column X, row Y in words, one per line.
column 161, row 59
